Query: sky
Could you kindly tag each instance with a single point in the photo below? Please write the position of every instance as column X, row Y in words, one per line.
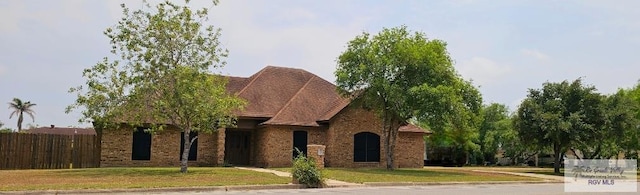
column 504, row 47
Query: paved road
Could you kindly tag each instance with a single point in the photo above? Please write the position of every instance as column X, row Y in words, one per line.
column 546, row 189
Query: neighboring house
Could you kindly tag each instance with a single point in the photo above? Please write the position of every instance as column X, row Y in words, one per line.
column 62, row 130
column 287, row 108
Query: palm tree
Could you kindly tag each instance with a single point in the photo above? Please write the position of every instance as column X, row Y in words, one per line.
column 19, row 107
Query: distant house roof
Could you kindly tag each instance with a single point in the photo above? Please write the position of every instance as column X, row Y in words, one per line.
column 413, row 129
column 62, row 130
column 290, row 96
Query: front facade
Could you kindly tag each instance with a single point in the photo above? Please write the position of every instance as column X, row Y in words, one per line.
column 287, row 108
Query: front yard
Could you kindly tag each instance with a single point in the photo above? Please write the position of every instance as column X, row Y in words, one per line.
column 416, row 175
column 419, row 175
column 109, row 178
column 148, row 177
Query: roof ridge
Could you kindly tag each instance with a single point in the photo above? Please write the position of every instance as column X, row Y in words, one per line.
column 284, row 67
column 294, row 96
column 252, row 80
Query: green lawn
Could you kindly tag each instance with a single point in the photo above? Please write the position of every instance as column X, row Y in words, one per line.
column 536, row 170
column 415, row 175
column 106, row 178
column 550, row 172
column 418, row 175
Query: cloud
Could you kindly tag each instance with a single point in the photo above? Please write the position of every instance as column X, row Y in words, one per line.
column 482, row 71
column 298, row 37
column 10, row 13
column 18, row 16
column 535, row 54
column 2, row 70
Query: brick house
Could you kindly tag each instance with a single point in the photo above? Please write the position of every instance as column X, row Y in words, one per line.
column 287, row 108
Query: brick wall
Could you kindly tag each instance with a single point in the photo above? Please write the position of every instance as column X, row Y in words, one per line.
column 347, row 123
column 409, row 150
column 339, row 152
column 116, row 147
column 316, row 136
column 274, row 144
column 165, row 149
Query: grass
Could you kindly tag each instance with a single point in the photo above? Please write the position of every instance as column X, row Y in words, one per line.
column 415, row 175
column 283, row 169
column 109, row 178
column 418, row 175
column 535, row 170
column 542, row 171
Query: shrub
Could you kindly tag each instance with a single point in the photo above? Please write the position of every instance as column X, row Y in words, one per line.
column 305, row 171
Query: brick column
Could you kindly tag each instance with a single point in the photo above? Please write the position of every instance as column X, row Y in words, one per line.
column 220, row 146
column 317, row 153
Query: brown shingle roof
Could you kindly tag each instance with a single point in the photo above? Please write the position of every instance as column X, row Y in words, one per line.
column 236, row 84
column 286, row 96
column 310, row 103
column 62, row 130
column 410, row 128
column 269, row 90
column 290, row 96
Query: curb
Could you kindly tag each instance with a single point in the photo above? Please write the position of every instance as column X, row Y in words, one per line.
column 177, row 189
column 345, row 186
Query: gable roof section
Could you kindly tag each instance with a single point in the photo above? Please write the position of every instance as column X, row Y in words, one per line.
column 411, row 128
column 236, row 84
column 269, row 90
column 290, row 96
column 285, row 96
column 310, row 103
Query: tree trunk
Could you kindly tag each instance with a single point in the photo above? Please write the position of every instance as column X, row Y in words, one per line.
column 390, row 129
column 20, row 122
column 185, row 151
column 387, row 142
column 596, row 153
column 392, row 142
column 556, row 160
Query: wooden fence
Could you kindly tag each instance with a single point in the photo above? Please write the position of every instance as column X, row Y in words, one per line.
column 47, row 151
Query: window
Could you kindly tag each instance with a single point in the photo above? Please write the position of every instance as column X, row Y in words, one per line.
column 366, row 147
column 193, row 151
column 299, row 142
column 141, row 147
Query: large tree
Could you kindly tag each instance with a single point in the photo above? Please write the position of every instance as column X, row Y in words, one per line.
column 561, row 116
column 633, row 143
column 494, row 131
column 163, row 76
column 403, row 75
column 622, row 133
column 20, row 107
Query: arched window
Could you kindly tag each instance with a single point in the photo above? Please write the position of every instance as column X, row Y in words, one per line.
column 366, row 147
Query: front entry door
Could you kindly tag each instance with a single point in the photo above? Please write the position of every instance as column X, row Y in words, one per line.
column 299, row 142
column 237, row 147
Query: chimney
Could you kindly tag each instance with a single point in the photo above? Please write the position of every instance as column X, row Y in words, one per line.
column 53, row 126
